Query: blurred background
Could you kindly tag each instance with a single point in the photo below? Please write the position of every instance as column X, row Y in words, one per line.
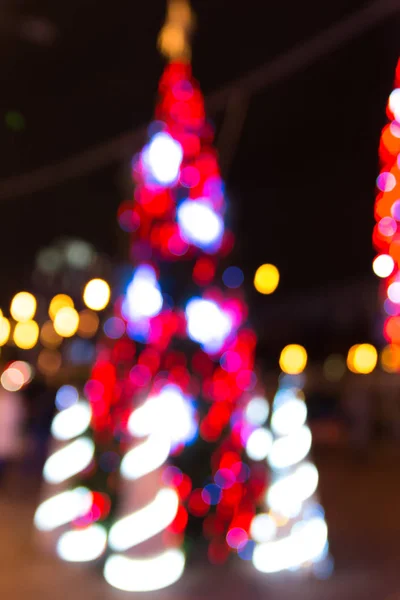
column 297, row 94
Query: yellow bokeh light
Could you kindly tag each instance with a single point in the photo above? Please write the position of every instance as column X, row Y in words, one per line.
column 96, row 294
column 5, row 329
column 88, row 323
column 293, row 359
column 57, row 303
column 26, row 334
column 23, row 306
column 266, row 279
column 49, row 362
column 362, row 358
column 49, row 337
column 390, row 358
column 66, row 321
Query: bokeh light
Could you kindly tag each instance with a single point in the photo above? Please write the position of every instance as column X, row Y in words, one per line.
column 67, row 396
column 266, row 279
column 293, row 359
column 334, row 367
column 88, row 323
column 49, row 260
column 12, row 379
column 79, row 254
column 66, row 321
column 233, row 277
column 96, row 294
column 383, row 265
column 49, row 337
column 5, row 329
column 23, row 306
column 362, row 358
column 26, row 334
column 390, row 358
column 57, row 303
column 49, row 362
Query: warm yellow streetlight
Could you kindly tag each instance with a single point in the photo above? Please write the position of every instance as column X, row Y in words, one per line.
column 266, row 279
column 293, row 359
column 66, row 321
column 96, row 294
column 26, row 334
column 23, row 307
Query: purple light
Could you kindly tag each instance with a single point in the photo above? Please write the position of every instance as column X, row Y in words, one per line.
column 386, row 182
column 236, row 538
column 224, row 478
column 231, row 361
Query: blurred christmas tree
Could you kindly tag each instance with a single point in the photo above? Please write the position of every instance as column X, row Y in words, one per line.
column 174, row 396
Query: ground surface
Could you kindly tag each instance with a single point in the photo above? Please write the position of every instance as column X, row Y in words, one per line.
column 362, row 506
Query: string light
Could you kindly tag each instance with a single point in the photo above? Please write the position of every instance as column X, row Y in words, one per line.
column 26, row 334
column 57, row 303
column 66, row 321
column 23, row 306
column 96, row 294
column 293, row 359
column 362, row 358
column 5, row 329
column 266, row 279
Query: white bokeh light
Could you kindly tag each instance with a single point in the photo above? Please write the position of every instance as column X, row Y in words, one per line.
column 207, row 324
column 259, row 444
column 288, row 416
column 146, row 522
column 287, row 495
column 306, row 543
column 146, row 457
column 143, row 296
column 393, row 292
column 257, row 411
column 162, row 158
column 72, row 421
column 290, row 449
column 62, row 508
column 170, row 412
column 82, row 545
column 199, row 224
column 394, row 103
column 69, row 461
column 146, row 574
column 263, row 528
column 383, row 265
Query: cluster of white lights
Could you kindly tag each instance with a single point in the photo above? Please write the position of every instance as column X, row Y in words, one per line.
column 74, row 456
column 200, row 225
column 286, row 496
column 162, row 159
column 72, row 421
column 165, row 420
column 169, row 411
column 69, row 461
column 259, row 444
column 144, row 575
column 62, row 509
column 82, row 545
column 294, row 484
column 146, row 457
column 143, row 298
column 257, row 411
column 145, row 523
column 207, row 324
column 307, row 542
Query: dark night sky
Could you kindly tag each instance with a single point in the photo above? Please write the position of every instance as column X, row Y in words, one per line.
column 302, row 181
